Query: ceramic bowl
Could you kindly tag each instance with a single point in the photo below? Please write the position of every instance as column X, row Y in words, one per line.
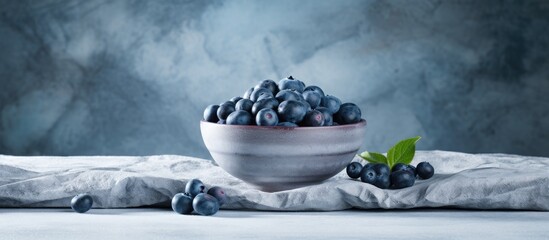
column 281, row 158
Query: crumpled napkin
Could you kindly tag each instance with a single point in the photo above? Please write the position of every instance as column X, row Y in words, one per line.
column 471, row 181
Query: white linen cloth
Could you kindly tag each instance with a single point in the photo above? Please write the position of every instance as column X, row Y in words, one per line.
column 471, row 181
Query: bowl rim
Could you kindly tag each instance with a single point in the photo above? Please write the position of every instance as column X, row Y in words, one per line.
column 361, row 123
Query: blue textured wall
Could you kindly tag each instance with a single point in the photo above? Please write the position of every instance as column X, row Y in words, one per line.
column 132, row 77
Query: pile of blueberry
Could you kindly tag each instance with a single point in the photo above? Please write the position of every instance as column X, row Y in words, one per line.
column 289, row 103
column 400, row 176
column 196, row 198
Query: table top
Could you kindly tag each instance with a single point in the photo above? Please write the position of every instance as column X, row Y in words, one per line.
column 152, row 223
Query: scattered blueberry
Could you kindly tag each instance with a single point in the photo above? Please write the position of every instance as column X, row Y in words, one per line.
column 205, row 204
column 194, row 187
column 381, row 168
column 402, row 166
column 383, row 181
column 413, row 170
column 382, row 175
column 368, row 175
column 182, row 203
column 266, row 117
column 210, row 113
column 219, row 194
column 348, row 113
column 402, row 179
column 239, row 117
column 425, row 170
column 81, row 203
column 354, row 169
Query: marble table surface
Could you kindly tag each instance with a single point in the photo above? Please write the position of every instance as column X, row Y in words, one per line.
column 151, row 223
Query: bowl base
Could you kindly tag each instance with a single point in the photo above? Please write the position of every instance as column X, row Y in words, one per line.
column 283, row 186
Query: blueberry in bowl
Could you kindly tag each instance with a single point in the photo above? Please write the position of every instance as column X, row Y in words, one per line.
column 289, row 138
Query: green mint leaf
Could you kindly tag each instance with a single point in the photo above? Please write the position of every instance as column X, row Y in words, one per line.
column 402, row 152
column 373, row 157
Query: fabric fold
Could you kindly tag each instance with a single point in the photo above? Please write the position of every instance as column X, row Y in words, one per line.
column 470, row 181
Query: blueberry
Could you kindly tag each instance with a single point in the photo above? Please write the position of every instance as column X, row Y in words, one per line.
column 313, row 118
column 413, row 170
column 224, row 110
column 354, row 169
column 81, row 203
column 248, row 93
column 221, row 122
column 266, row 117
column 182, row 203
column 268, row 84
column 307, row 105
column 331, row 103
column 244, row 104
column 258, row 92
column 205, row 204
column 285, row 95
column 302, row 85
column 264, row 96
column 381, row 168
column 210, row 113
column 313, row 98
column 228, row 102
column 383, row 181
column 406, row 167
column 348, row 113
column 399, row 166
column 239, row 117
column 219, row 194
column 235, row 99
column 292, row 84
column 402, row 179
column 194, row 187
column 368, row 175
column 328, row 120
column 287, row 124
column 382, row 175
column 425, row 170
column 314, row 89
column 291, row 111
column 269, row 103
